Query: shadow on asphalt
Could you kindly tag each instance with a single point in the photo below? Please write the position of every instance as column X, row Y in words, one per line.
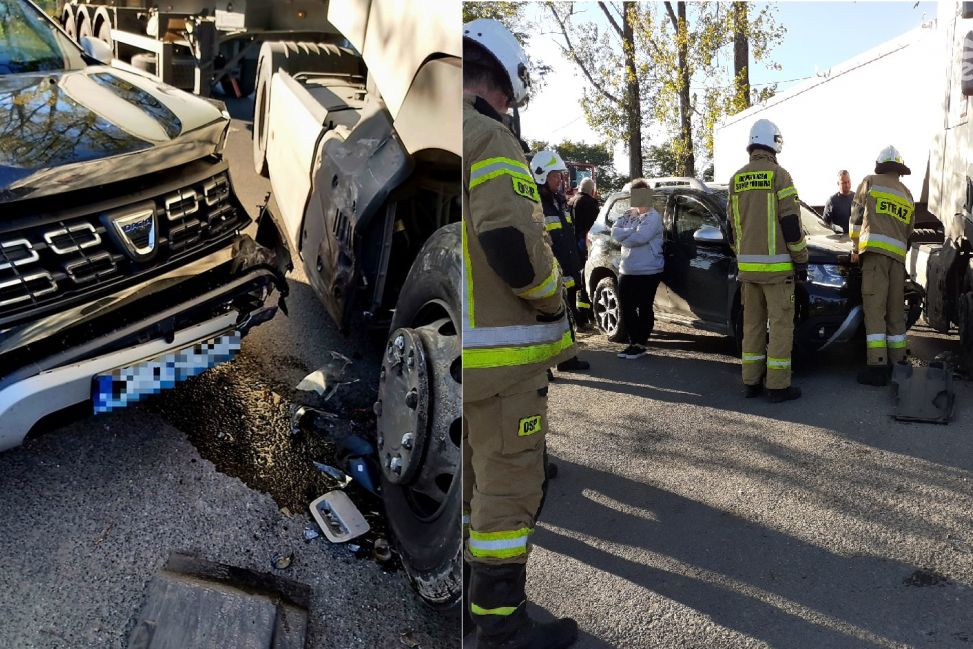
column 864, row 414
column 746, row 577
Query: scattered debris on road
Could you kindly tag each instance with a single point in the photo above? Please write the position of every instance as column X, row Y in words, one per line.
column 326, row 380
column 381, row 550
column 923, row 393
column 339, row 518
column 283, row 561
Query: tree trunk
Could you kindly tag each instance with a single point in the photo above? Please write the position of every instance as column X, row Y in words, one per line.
column 741, row 57
column 633, row 103
column 687, row 166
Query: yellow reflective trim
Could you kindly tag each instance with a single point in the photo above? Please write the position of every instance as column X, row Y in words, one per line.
column 737, row 233
column 476, row 167
column 569, row 282
column 511, row 356
column 899, row 252
column 547, row 288
column 552, row 225
column 897, row 344
column 500, row 610
column 468, row 267
column 765, row 268
column 771, row 225
column 787, row 191
column 496, row 174
column 502, row 534
column 797, row 247
column 778, row 363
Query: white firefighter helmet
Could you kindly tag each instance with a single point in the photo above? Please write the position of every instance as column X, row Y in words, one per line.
column 889, row 158
column 889, row 154
column 765, row 133
column 501, row 44
column 544, row 162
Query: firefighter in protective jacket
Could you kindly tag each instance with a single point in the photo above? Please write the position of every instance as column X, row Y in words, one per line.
column 547, row 168
column 514, row 328
column 764, row 217
column 880, row 225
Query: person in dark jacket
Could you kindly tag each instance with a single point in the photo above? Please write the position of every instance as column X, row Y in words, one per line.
column 548, row 168
column 584, row 211
column 838, row 208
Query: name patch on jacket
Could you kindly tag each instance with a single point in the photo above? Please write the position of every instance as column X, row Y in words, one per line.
column 529, row 426
column 751, row 180
column 895, row 207
column 526, row 189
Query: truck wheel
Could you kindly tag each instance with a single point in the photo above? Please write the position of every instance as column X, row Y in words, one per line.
column 103, row 25
column 291, row 57
column 419, row 412
column 608, row 311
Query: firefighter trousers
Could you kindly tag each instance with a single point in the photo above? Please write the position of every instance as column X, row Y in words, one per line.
column 883, row 300
column 768, row 306
column 503, row 490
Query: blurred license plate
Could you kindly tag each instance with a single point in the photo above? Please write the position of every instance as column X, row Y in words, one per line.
column 121, row 387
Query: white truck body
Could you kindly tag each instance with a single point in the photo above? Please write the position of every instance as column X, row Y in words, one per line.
column 831, row 122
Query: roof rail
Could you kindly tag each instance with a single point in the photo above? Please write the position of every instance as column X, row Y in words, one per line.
column 677, row 181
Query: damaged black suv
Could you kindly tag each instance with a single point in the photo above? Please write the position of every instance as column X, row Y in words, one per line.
column 123, row 267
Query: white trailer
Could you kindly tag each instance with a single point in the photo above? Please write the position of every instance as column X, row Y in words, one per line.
column 842, row 118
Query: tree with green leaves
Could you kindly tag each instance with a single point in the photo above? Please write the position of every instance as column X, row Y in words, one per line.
column 671, row 70
column 609, row 60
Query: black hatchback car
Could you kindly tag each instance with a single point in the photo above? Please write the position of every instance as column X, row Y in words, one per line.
column 700, row 287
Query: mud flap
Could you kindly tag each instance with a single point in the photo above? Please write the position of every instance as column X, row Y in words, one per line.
column 937, row 291
column 923, row 393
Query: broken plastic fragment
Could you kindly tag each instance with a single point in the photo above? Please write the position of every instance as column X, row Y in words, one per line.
column 310, row 534
column 326, row 380
column 332, row 472
column 338, row 517
column 381, row 551
column 283, row 561
column 408, row 638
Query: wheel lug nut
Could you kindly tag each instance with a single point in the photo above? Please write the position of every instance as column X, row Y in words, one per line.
column 396, row 465
column 381, row 441
column 407, row 441
column 412, row 399
column 377, row 408
column 388, row 460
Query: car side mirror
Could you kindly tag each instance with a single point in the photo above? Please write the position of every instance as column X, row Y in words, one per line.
column 97, row 49
column 709, row 235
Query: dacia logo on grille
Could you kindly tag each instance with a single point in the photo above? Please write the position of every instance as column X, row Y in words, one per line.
column 135, row 230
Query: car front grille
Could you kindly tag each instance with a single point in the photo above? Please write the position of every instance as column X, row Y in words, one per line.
column 48, row 263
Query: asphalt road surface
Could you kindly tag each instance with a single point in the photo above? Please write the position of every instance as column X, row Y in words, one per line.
column 91, row 507
column 687, row 516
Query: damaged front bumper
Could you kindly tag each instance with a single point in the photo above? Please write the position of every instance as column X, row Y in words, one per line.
column 47, row 364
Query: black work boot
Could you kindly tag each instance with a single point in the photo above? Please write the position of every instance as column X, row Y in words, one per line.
column 751, row 391
column 498, row 601
column 784, row 394
column 874, row 375
column 574, row 364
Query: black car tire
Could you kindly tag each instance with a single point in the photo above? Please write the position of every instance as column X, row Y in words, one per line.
column 607, row 310
column 430, row 545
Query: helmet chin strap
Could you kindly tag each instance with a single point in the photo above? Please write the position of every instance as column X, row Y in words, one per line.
column 515, row 123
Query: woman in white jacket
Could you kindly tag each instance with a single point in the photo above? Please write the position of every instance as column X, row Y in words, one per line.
column 639, row 232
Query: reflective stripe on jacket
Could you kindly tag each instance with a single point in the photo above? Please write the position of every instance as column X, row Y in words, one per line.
column 882, row 216
column 509, row 331
column 760, row 195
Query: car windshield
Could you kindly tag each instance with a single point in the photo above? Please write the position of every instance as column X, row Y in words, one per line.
column 29, row 42
column 812, row 222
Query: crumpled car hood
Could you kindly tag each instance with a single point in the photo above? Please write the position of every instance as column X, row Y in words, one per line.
column 67, row 130
column 824, row 249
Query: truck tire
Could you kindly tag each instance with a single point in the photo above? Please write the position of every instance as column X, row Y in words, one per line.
column 84, row 22
column 292, row 57
column 420, row 397
column 607, row 310
column 103, row 25
column 69, row 21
